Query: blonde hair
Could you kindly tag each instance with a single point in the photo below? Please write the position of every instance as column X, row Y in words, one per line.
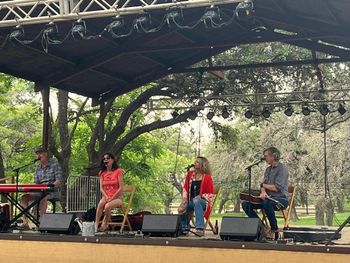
column 203, row 165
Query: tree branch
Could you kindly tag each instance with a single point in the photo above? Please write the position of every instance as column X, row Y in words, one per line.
column 119, row 145
column 119, row 128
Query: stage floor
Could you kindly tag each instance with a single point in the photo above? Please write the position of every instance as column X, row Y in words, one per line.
column 30, row 246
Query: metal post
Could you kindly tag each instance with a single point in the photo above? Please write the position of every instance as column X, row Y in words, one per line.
column 46, row 117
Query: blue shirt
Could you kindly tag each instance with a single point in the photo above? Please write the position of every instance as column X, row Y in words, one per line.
column 278, row 176
column 48, row 174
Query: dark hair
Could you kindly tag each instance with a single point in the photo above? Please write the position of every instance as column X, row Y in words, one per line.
column 114, row 165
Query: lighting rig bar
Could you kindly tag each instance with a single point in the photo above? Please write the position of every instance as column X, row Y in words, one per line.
column 270, row 100
column 27, row 12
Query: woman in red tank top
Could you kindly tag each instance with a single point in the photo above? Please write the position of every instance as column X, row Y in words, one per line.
column 111, row 185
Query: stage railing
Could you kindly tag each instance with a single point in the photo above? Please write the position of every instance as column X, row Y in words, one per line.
column 83, row 192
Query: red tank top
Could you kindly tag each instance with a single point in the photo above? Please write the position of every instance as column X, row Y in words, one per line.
column 110, row 181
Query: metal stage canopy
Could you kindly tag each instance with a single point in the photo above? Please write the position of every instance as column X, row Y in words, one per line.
column 109, row 65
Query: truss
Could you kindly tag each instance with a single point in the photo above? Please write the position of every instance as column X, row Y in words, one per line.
column 26, row 12
column 253, row 101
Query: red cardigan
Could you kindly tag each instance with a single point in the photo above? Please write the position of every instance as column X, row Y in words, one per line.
column 206, row 191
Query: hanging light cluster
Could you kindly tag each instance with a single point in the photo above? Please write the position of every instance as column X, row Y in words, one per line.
column 143, row 23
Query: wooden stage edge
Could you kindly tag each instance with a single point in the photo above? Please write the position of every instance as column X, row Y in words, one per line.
column 56, row 248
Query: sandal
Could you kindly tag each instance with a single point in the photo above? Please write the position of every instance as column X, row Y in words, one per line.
column 103, row 228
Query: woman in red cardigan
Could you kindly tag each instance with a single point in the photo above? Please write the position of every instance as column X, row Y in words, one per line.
column 197, row 195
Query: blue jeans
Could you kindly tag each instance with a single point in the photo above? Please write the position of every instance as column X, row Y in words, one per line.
column 198, row 206
column 268, row 206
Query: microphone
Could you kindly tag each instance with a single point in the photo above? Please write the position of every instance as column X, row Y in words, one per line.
column 36, row 159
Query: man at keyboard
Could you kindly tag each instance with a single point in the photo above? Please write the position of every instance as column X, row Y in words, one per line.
column 47, row 172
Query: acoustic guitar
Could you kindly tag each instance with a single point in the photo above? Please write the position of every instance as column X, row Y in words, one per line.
column 256, row 199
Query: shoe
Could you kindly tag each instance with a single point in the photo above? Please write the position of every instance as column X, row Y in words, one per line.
column 272, row 235
column 200, row 232
column 102, row 228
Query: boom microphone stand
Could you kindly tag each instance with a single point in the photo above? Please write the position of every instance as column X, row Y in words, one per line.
column 249, row 169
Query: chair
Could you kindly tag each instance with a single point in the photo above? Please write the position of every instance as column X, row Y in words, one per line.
column 286, row 212
column 213, row 228
column 125, row 209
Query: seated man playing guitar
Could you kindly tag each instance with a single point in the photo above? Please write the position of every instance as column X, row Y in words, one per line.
column 274, row 186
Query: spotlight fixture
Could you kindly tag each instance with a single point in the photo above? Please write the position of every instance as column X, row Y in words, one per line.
column 116, row 28
column 341, row 109
column 79, row 30
column 201, row 104
column 193, row 115
column 305, row 110
column 17, row 34
column 248, row 114
column 143, row 22
column 289, row 111
column 51, row 32
column 245, row 11
column 266, row 113
column 174, row 114
column 174, row 17
column 211, row 16
column 210, row 115
column 225, row 114
column 324, row 109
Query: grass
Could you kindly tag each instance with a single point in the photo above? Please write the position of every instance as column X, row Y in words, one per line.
column 304, row 220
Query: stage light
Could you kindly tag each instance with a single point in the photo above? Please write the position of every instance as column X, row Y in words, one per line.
column 341, row 109
column 266, row 113
column 225, row 114
column 305, row 110
column 17, row 34
column 324, row 109
column 211, row 16
column 51, row 32
column 201, row 104
column 245, row 11
column 79, row 30
column 116, row 28
column 174, row 114
column 289, row 111
column 193, row 115
column 143, row 23
column 210, row 115
column 248, row 114
column 174, row 16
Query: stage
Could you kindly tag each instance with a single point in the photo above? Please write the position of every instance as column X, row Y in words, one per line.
column 30, row 246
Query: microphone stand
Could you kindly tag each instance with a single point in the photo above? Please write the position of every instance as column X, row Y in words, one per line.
column 249, row 169
column 16, row 170
column 188, row 202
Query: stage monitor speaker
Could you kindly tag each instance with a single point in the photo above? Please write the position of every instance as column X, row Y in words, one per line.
column 161, row 225
column 57, row 223
column 309, row 234
column 241, row 228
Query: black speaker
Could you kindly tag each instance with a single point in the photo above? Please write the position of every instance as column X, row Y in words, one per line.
column 58, row 223
column 308, row 234
column 241, row 228
column 161, row 225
